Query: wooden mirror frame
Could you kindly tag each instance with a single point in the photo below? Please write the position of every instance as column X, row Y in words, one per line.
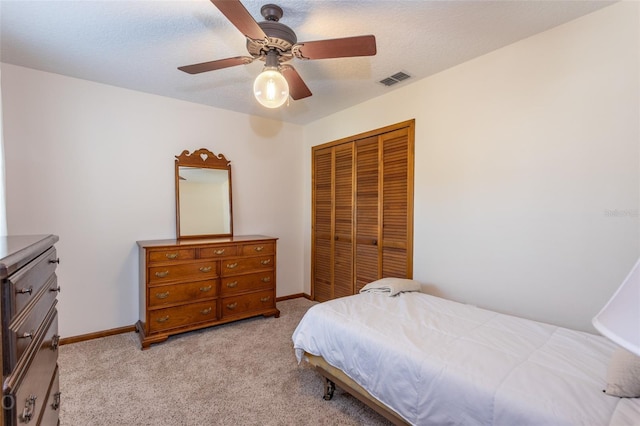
column 202, row 159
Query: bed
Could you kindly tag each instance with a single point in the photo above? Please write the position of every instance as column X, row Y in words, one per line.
column 419, row 359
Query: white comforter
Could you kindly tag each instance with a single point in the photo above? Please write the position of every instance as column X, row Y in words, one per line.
column 439, row 362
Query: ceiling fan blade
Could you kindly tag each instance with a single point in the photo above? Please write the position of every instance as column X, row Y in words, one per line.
column 216, row 65
column 336, row 48
column 240, row 17
column 297, row 87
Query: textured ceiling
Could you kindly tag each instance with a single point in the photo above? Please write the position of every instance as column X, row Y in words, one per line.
column 138, row 45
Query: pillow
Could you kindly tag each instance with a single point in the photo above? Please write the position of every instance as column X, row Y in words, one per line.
column 391, row 286
column 623, row 374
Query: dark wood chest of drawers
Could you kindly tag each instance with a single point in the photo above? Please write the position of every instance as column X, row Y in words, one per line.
column 29, row 318
column 195, row 283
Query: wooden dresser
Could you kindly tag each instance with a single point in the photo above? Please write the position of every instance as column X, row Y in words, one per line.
column 30, row 337
column 195, row 283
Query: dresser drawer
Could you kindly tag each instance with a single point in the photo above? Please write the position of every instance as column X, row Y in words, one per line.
column 258, row 248
column 178, row 316
column 23, row 329
column 218, row 251
column 29, row 383
column 49, row 415
column 183, row 272
column 244, row 283
column 24, row 285
column 171, row 255
column 185, row 292
column 241, row 265
column 240, row 305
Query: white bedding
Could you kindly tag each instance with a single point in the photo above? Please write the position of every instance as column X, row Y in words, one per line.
column 435, row 361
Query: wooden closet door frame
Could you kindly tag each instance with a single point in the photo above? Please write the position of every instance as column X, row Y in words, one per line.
column 410, row 126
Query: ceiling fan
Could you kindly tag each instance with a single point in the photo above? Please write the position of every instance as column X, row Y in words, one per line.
column 275, row 44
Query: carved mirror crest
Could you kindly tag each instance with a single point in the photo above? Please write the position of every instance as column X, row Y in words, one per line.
column 203, row 195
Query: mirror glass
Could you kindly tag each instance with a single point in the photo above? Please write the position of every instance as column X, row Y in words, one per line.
column 203, row 195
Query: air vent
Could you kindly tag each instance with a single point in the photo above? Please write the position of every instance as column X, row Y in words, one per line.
column 395, row 78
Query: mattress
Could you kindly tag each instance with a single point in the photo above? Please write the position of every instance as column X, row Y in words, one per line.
column 434, row 361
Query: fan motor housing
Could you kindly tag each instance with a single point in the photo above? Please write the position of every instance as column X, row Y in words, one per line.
column 279, row 37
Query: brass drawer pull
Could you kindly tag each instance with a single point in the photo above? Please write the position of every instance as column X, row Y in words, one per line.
column 163, row 319
column 162, row 274
column 205, row 269
column 55, row 342
column 266, row 279
column 266, row 261
column 206, row 311
column 265, row 299
column 27, row 335
column 232, row 284
column 207, row 288
column 259, row 248
column 232, row 305
column 162, row 295
column 28, row 291
column 219, row 251
column 232, row 265
column 171, row 255
column 29, row 408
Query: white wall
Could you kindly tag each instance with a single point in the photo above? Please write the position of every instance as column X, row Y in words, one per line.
column 94, row 164
column 527, row 176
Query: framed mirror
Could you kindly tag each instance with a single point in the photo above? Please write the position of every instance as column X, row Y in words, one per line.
column 203, row 195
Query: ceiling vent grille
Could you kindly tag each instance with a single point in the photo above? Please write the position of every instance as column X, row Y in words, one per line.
column 395, row 78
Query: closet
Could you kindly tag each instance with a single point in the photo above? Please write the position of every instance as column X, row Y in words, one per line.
column 362, row 210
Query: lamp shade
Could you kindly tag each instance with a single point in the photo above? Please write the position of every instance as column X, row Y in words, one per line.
column 271, row 88
column 619, row 320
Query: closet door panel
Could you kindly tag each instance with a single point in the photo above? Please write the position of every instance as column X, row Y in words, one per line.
column 322, row 224
column 343, row 234
column 367, row 212
column 397, row 194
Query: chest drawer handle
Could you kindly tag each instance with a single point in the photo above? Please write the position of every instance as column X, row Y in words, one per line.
column 55, row 342
column 259, row 248
column 55, row 289
column 54, row 261
column 26, row 291
column 265, row 299
column 205, row 269
column 232, row 265
column 171, row 255
column 204, row 289
column 27, row 335
column 163, row 319
column 266, row 261
column 206, row 311
column 29, row 408
column 232, row 284
column 56, row 400
column 232, row 306
column 162, row 295
column 266, row 279
column 162, row 274
column 219, row 251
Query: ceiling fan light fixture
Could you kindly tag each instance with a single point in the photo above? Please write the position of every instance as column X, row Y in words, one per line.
column 271, row 88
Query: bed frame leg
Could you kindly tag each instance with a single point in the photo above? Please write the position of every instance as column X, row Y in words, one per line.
column 329, row 388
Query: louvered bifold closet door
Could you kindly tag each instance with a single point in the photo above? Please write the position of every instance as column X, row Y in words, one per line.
column 322, row 224
column 343, row 222
column 367, row 265
column 397, row 204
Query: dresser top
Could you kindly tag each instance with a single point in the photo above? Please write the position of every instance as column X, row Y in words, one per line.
column 200, row 241
column 18, row 250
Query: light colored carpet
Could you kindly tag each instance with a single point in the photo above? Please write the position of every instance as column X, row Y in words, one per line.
column 244, row 373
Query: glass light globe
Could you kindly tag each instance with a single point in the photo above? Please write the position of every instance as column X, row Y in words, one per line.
column 271, row 88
